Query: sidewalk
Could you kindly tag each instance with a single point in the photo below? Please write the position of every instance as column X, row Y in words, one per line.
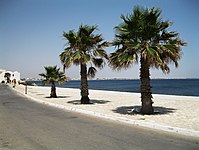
column 178, row 114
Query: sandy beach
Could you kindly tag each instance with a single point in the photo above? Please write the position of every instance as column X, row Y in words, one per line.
column 174, row 113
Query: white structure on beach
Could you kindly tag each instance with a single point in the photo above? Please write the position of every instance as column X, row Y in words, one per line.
column 13, row 75
column 2, row 74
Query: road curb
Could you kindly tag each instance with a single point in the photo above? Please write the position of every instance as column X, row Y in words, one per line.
column 182, row 131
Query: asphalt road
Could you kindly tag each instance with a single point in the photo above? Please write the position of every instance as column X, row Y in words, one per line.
column 27, row 125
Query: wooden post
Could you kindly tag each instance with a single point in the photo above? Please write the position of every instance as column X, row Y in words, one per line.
column 26, row 88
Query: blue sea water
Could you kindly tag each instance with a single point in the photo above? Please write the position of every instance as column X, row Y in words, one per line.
column 185, row 87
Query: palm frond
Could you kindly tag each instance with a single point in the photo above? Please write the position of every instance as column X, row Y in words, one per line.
column 101, row 53
column 92, row 72
column 44, row 82
column 122, row 59
column 98, row 62
column 42, row 75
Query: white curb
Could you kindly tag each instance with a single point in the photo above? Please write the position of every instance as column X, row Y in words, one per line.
column 182, row 131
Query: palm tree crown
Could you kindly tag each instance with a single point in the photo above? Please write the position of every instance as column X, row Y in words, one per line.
column 144, row 33
column 144, row 36
column 84, row 47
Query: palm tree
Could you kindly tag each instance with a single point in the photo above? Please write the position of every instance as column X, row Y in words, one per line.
column 83, row 48
column 144, row 37
column 51, row 75
column 7, row 76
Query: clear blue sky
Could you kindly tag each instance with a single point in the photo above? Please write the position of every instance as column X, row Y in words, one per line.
column 31, row 32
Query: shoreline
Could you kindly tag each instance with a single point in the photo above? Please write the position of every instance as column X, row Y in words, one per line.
column 177, row 114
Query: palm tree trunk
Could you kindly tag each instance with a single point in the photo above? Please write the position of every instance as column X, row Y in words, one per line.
column 146, row 94
column 53, row 91
column 84, row 85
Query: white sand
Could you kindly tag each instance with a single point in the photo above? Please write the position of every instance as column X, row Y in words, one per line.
column 174, row 111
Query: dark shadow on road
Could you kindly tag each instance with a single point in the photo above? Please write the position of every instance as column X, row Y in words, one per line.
column 133, row 110
column 92, row 102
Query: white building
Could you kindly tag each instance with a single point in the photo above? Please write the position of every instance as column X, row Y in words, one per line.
column 13, row 75
column 2, row 74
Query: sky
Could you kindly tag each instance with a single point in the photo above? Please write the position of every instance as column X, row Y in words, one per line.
column 31, row 33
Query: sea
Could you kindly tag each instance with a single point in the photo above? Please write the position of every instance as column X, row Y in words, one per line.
column 183, row 87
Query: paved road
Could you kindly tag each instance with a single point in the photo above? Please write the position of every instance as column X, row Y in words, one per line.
column 26, row 125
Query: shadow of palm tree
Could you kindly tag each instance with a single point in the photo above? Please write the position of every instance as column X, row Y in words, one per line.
column 133, row 110
column 92, row 102
column 58, row 97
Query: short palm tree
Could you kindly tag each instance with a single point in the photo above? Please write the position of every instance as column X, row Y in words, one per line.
column 144, row 37
column 84, row 48
column 7, row 77
column 51, row 75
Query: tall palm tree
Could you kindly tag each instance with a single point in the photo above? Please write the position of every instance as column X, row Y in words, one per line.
column 83, row 48
column 51, row 75
column 144, row 37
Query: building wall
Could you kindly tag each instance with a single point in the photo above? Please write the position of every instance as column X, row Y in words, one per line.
column 2, row 74
column 16, row 76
